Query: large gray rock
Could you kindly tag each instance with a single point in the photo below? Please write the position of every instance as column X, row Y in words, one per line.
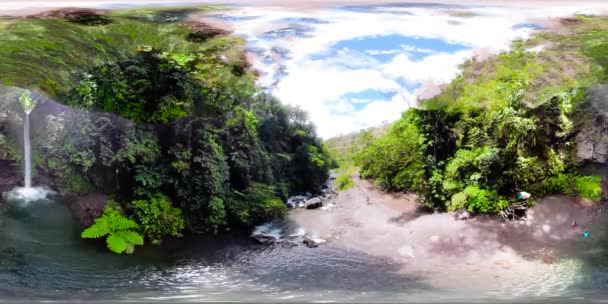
column 592, row 121
column 312, row 242
column 592, row 145
column 314, row 203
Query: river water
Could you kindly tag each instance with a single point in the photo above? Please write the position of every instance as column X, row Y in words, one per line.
column 43, row 258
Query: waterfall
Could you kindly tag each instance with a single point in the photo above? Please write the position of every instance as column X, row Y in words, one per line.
column 28, row 104
column 27, row 152
column 27, row 194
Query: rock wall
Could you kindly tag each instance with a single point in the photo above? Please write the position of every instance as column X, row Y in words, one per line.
column 592, row 117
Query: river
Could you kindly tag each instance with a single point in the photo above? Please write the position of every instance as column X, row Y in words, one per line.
column 43, row 258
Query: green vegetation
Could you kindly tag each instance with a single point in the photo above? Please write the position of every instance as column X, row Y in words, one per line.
column 50, row 53
column 27, row 103
column 8, row 149
column 589, row 187
column 344, row 182
column 255, row 205
column 164, row 117
column 119, row 231
column 504, row 125
column 157, row 217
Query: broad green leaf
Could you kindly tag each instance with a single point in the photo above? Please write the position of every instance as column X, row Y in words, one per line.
column 116, row 244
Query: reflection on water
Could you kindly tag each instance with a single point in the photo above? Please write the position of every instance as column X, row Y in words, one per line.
column 42, row 257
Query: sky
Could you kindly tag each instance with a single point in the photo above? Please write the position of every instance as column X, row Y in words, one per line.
column 357, row 66
column 354, row 67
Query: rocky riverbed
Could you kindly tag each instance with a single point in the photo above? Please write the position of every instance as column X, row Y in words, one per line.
column 452, row 250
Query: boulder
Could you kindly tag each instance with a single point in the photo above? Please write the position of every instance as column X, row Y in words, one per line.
column 88, row 207
column 312, row 242
column 590, row 148
column 592, row 134
column 298, row 201
column 264, row 238
column 314, row 203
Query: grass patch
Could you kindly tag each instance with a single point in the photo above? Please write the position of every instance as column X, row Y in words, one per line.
column 589, row 187
column 49, row 52
column 344, row 182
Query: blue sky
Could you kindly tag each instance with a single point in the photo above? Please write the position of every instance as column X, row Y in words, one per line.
column 356, row 67
column 352, row 67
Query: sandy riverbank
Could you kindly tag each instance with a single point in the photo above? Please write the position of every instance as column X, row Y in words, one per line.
column 482, row 252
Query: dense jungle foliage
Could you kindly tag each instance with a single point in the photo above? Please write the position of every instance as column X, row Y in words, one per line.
column 506, row 124
column 167, row 121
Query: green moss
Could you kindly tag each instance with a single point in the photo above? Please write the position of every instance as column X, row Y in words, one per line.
column 46, row 52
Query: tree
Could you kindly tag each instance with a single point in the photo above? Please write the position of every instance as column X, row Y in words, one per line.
column 200, row 172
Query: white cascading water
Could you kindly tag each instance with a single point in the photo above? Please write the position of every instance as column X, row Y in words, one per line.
column 27, row 193
column 27, row 151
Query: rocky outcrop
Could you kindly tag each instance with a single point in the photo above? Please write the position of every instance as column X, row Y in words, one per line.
column 88, row 207
column 592, row 136
column 592, row 145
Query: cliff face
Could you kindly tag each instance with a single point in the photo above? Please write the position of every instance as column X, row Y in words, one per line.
column 592, row 138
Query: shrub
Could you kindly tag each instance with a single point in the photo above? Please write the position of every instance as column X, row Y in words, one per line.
column 344, row 182
column 157, row 217
column 586, row 186
column 458, row 201
column 559, row 184
column 589, row 187
column 119, row 231
column 255, row 205
column 483, row 200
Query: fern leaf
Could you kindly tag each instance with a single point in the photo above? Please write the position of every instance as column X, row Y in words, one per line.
column 130, row 249
column 131, row 237
column 95, row 231
column 116, row 244
column 123, row 223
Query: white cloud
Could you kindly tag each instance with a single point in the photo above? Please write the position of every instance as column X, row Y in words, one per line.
column 439, row 68
column 317, row 81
